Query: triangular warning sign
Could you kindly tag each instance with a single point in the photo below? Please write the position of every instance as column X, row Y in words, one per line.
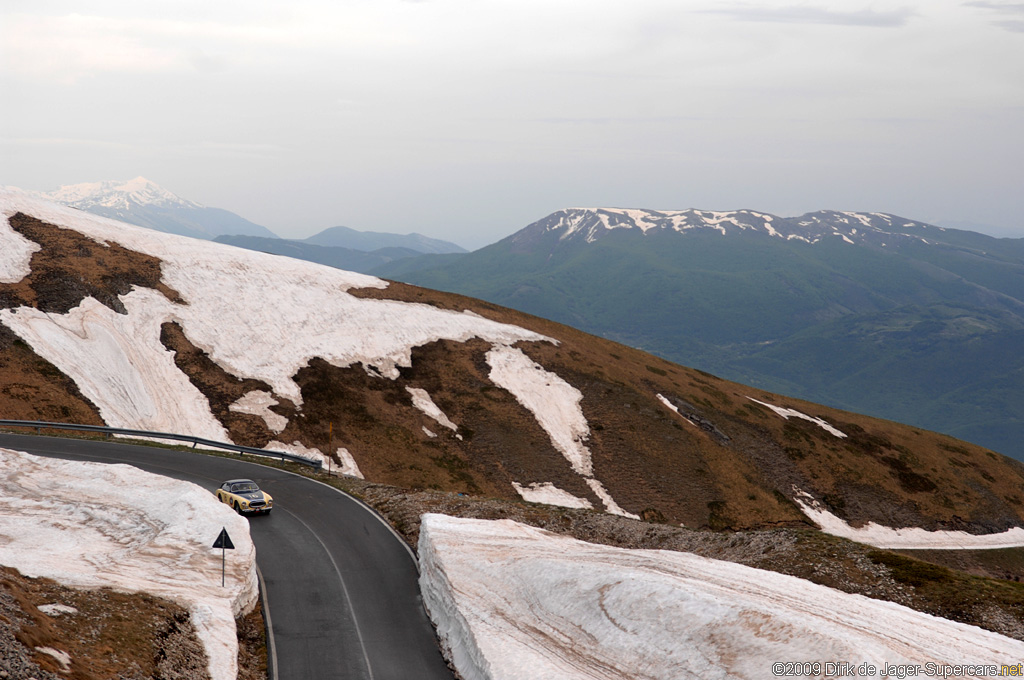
column 224, row 541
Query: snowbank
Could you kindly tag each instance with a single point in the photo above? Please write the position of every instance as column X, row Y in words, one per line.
column 908, row 538
column 93, row 525
column 511, row 601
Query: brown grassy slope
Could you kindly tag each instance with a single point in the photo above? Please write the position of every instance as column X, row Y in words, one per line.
column 112, row 635
column 737, row 466
column 728, row 463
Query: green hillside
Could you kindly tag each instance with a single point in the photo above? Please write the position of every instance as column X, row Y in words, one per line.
column 917, row 329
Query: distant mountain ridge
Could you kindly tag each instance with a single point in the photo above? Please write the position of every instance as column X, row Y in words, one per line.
column 332, row 256
column 146, row 204
column 869, row 312
column 367, row 241
column 590, row 224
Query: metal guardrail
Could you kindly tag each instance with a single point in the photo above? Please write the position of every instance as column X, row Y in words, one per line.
column 196, row 441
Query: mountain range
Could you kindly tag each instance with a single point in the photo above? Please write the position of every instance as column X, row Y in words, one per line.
column 112, row 324
column 429, row 401
column 864, row 311
column 146, row 204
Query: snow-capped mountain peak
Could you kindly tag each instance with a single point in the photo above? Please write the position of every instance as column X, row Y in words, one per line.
column 590, row 224
column 146, row 204
column 118, row 195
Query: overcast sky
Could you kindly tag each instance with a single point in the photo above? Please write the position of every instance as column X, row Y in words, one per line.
column 468, row 119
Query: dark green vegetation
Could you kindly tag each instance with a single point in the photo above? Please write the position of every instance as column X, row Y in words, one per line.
column 918, row 324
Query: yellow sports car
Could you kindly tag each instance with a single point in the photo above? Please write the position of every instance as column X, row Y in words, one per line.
column 245, row 497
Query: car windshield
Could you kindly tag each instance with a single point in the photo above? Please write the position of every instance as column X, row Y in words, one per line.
column 243, row 488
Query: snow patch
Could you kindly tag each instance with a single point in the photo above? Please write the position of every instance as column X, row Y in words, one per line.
column 908, row 538
column 348, row 463
column 421, row 400
column 672, row 407
column 512, row 601
column 556, row 406
column 63, row 658
column 117, row 526
column 57, row 609
column 549, row 494
column 428, row 432
column 609, row 503
column 553, row 402
column 788, row 413
column 258, row 403
column 16, row 254
column 298, row 449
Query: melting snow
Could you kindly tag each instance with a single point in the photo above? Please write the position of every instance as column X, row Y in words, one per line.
column 348, row 464
column 908, row 538
column 258, row 403
column 554, row 402
column 549, row 494
column 16, row 255
column 119, row 363
column 298, row 449
column 421, row 400
column 556, row 406
column 512, row 601
column 63, row 658
column 788, row 413
column 270, row 316
column 673, row 408
column 92, row 525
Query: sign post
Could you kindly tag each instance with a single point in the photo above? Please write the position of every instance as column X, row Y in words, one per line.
column 224, row 543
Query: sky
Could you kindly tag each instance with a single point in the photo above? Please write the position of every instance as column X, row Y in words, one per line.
column 468, row 119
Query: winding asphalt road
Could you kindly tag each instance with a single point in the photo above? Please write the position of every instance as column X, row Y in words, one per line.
column 341, row 588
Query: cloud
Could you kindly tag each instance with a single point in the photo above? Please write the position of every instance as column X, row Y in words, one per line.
column 1017, row 7
column 802, row 14
column 1003, row 9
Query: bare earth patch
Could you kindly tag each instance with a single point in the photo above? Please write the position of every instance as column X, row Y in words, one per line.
column 70, row 267
column 104, row 634
column 107, row 635
column 725, row 461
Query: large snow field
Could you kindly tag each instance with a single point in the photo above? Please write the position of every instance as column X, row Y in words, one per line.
column 514, row 602
column 257, row 315
column 92, row 525
column 260, row 316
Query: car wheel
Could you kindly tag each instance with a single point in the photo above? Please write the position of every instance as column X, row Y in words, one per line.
column 238, row 508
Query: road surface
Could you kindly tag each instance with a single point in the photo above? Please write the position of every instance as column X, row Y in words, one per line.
column 341, row 588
